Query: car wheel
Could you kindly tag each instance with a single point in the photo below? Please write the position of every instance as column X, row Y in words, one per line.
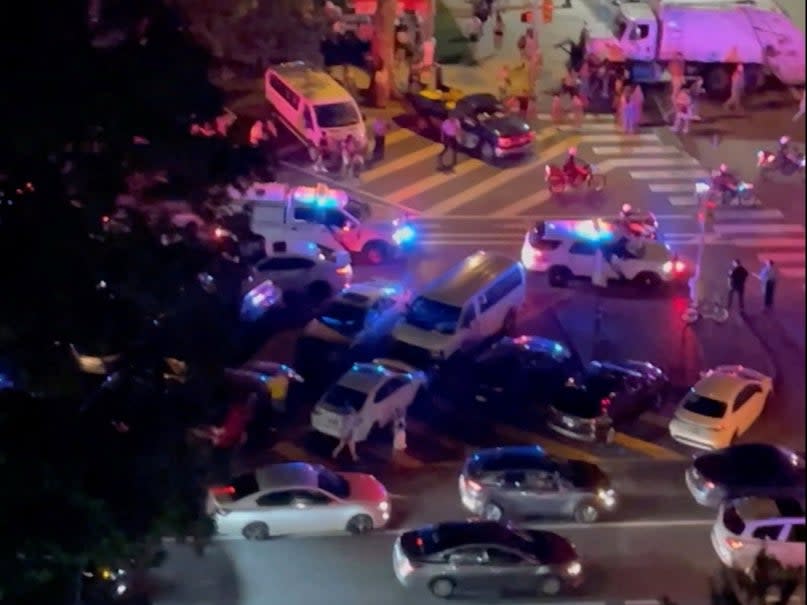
column 256, row 531
column 559, row 277
column 319, row 291
column 550, row 586
column 442, row 588
column 509, row 323
column 487, row 152
column 360, row 524
column 647, row 280
column 376, row 252
column 586, row 512
column 493, row 512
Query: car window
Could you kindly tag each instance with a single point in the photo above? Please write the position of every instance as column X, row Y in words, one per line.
column 545, row 482
column 768, row 532
column 514, row 478
column 389, row 389
column 745, row 395
column 308, row 120
column 472, row 555
column 506, row 284
column 310, row 497
column 704, row 406
column 275, row 499
column 631, row 384
column 285, row 264
column 498, row 556
column 583, row 248
column 797, row 533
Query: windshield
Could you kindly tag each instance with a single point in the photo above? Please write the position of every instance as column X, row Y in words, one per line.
column 711, row 408
column 343, row 397
column 343, row 317
column 336, row 114
column 333, row 483
column 428, row 314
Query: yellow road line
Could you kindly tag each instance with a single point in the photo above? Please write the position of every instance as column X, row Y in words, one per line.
column 294, row 453
column 553, row 447
column 399, row 135
column 647, row 448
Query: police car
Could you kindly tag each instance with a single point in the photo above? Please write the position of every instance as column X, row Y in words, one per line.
column 351, row 223
column 566, row 250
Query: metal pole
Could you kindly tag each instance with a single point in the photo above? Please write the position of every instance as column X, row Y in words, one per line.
column 696, row 289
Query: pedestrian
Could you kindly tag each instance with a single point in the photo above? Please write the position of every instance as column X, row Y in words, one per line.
column 628, row 117
column 621, row 108
column 319, row 153
column 696, row 91
column 556, row 111
column 677, row 69
column 399, row 432
column 498, row 31
column 379, row 138
column 474, row 36
column 504, row 82
column 346, row 149
column 256, row 134
column 737, row 277
column 448, row 132
column 619, row 86
column 637, row 104
column 570, row 83
column 347, row 436
column 578, row 109
column 800, row 112
column 682, row 108
column 768, row 276
column 734, row 102
column 270, row 142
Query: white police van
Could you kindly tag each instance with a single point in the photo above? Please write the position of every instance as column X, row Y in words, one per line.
column 348, row 222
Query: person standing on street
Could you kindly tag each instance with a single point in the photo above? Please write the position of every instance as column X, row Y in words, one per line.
column 504, row 83
column 498, row 31
column 379, row 138
column 399, row 432
column 348, row 436
column 475, row 35
column 320, row 152
column 637, row 104
column 734, row 102
column 448, row 132
column 768, row 276
column 737, row 278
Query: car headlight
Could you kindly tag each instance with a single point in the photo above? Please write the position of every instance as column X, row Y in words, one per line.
column 405, row 234
column 574, row 568
column 607, row 497
column 383, row 506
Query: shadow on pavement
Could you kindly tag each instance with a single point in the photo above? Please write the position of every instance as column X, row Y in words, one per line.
column 187, row 578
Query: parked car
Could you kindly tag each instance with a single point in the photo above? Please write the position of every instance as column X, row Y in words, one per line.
column 607, row 395
column 455, row 557
column 376, row 392
column 748, row 469
column 298, row 498
column 748, row 526
column 721, row 406
column 517, row 482
column 522, row 371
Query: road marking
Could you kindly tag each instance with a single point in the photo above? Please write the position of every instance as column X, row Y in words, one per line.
column 613, row 163
column 535, row 199
column 294, row 453
column 529, row 219
column 553, row 447
column 469, row 235
column 672, row 188
column 636, row 150
column 396, row 136
column 504, row 178
column 647, row 448
column 683, row 200
column 766, row 228
column 436, row 180
column 602, row 126
column 692, row 173
column 782, row 257
column 768, row 242
column 588, row 117
column 626, row 139
column 410, row 159
column 655, row 419
column 737, row 215
column 792, row 272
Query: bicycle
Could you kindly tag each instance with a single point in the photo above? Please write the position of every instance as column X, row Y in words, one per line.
column 710, row 309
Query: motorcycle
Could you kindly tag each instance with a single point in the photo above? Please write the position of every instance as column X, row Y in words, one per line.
column 743, row 195
column 559, row 181
column 639, row 223
column 768, row 161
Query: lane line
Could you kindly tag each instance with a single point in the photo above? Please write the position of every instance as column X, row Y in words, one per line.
column 553, row 447
column 679, row 162
column 655, row 419
column 396, row 136
column 793, row 272
column 537, row 216
column 766, row 229
column 436, row 180
column 768, row 242
column 753, row 214
column 672, row 188
column 647, row 448
column 410, row 159
column 588, row 117
column 682, row 200
column 626, row 139
column 782, row 257
column 502, row 179
column 294, row 453
column 693, row 173
column 516, row 208
column 637, row 150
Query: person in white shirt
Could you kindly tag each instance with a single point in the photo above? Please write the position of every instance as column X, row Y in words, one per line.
column 348, row 436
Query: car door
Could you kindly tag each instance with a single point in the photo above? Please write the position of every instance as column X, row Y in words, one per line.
column 743, row 410
column 768, row 536
column 792, row 548
column 507, row 569
column 581, row 258
column 316, row 512
column 543, row 494
column 395, row 398
column 469, row 326
column 274, row 509
column 467, row 566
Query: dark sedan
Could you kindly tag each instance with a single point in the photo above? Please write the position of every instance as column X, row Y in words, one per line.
column 523, row 370
column 523, row 481
column 474, row 557
column 488, row 128
column 750, row 469
column 608, row 393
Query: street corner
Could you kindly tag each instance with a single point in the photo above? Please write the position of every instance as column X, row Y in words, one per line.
column 187, row 577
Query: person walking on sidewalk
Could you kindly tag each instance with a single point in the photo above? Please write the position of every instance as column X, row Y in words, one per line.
column 737, row 278
column 734, row 102
column 768, row 276
column 448, row 132
column 379, row 138
column 348, row 436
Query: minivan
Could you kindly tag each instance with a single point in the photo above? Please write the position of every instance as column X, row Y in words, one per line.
column 475, row 300
column 311, row 104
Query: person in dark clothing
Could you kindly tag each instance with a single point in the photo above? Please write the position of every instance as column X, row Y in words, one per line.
column 737, row 278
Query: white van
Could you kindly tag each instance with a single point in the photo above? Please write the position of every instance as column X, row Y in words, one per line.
column 311, row 103
column 477, row 299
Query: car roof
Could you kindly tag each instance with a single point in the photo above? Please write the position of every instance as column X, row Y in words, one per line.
column 313, row 84
column 479, row 100
column 468, row 277
column 760, row 508
column 512, row 458
column 720, row 387
column 739, row 372
column 608, row 369
column 364, row 376
column 370, row 290
column 289, row 474
column 453, row 534
column 537, row 344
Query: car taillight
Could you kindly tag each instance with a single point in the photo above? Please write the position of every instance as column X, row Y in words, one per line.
column 472, row 485
column 505, row 142
column 547, row 170
column 226, row 490
column 734, row 543
column 679, row 266
column 346, row 270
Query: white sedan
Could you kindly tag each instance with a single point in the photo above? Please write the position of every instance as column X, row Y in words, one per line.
column 375, row 392
column 721, row 406
column 296, row 498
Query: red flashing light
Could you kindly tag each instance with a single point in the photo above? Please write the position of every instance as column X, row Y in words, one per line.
column 227, row 490
column 419, row 542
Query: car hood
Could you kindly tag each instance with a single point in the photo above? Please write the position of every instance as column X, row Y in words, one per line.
column 551, row 548
column 317, row 329
column 418, row 337
column 365, row 488
column 507, row 126
column 586, row 475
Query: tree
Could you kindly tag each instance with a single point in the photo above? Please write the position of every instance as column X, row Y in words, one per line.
column 383, row 50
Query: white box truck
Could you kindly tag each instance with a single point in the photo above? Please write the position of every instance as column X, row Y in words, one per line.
column 710, row 36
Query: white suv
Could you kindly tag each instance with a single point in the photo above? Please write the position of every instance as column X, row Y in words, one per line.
column 745, row 527
column 566, row 250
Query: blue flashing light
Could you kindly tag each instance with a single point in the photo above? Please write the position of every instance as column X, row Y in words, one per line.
column 593, row 231
column 404, row 234
column 558, row 347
